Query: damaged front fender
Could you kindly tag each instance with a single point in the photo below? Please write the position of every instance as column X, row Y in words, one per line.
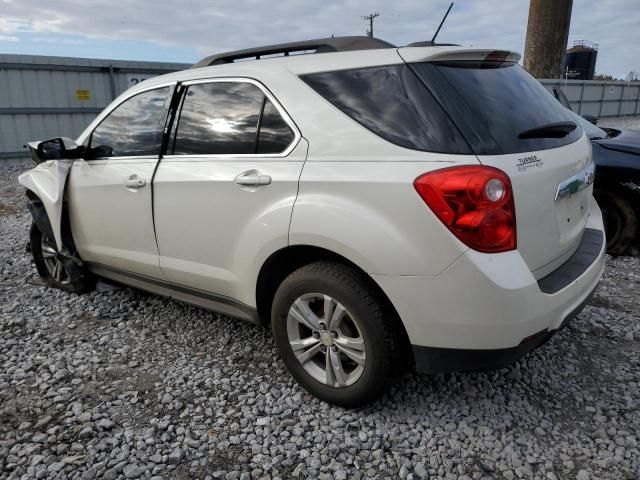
column 47, row 181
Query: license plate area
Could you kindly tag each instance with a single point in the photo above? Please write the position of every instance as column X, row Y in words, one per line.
column 572, row 213
column 572, row 203
column 576, row 183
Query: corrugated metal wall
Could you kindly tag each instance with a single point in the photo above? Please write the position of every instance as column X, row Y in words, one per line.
column 600, row 98
column 45, row 97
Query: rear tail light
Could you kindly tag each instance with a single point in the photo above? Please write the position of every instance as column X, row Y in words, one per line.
column 474, row 202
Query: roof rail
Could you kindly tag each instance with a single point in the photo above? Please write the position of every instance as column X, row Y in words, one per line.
column 320, row 45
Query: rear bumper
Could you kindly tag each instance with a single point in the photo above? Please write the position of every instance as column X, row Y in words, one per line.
column 443, row 360
column 486, row 311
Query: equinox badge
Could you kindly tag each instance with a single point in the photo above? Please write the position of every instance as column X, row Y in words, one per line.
column 576, row 183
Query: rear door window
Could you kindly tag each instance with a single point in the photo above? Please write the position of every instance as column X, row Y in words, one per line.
column 133, row 128
column 219, row 118
column 494, row 102
column 229, row 118
column 392, row 102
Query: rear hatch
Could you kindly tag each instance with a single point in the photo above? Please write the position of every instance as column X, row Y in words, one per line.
column 512, row 123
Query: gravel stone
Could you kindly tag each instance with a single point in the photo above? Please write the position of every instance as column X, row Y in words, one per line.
column 420, row 470
column 176, row 456
column 117, row 383
column 583, row 475
column 132, row 471
column 104, row 424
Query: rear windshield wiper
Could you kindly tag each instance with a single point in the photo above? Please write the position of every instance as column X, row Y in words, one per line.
column 550, row 130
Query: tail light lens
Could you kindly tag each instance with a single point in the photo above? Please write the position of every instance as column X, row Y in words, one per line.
column 475, row 202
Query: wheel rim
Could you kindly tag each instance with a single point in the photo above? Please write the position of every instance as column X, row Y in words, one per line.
column 52, row 261
column 326, row 340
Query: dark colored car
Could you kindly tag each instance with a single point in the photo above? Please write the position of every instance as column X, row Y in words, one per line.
column 616, row 154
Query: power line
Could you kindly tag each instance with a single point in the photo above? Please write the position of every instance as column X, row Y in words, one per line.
column 370, row 17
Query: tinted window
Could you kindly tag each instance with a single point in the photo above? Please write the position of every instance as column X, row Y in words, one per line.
column 133, row 128
column 219, row 118
column 392, row 102
column 498, row 98
column 275, row 135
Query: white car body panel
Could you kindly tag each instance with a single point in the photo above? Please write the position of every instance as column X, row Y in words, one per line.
column 369, row 212
column 229, row 231
column 486, row 301
column 48, row 181
column 112, row 224
column 549, row 230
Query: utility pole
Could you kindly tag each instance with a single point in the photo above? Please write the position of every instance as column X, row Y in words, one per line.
column 370, row 17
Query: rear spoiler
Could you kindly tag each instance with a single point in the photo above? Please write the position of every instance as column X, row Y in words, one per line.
column 435, row 54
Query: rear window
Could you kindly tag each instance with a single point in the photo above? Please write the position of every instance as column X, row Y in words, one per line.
column 494, row 102
column 392, row 102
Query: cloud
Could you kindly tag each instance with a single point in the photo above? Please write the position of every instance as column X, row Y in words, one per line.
column 58, row 41
column 209, row 26
column 9, row 38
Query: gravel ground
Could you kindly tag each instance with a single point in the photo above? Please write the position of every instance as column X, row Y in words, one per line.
column 122, row 384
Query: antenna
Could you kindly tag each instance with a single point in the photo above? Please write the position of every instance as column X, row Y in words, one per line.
column 441, row 23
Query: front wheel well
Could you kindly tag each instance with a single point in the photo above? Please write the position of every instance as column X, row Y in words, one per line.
column 287, row 260
column 40, row 217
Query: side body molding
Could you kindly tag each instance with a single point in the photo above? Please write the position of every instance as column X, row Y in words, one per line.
column 48, row 181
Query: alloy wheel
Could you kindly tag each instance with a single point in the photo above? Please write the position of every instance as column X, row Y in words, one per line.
column 53, row 262
column 326, row 340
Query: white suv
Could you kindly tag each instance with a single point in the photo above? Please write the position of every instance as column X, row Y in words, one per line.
column 379, row 207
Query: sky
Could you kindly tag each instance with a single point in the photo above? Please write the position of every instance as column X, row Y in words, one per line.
column 185, row 31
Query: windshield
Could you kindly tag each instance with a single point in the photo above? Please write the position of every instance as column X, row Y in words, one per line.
column 593, row 132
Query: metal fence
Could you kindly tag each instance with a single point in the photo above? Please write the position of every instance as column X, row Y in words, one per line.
column 44, row 97
column 600, row 98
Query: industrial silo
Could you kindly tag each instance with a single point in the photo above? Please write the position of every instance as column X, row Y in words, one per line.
column 547, row 34
column 580, row 60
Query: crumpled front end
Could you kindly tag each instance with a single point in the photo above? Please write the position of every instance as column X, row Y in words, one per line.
column 47, row 182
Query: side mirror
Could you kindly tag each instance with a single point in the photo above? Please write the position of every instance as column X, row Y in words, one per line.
column 55, row 149
column 591, row 119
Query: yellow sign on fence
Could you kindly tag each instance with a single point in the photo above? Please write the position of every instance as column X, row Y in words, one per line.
column 83, row 95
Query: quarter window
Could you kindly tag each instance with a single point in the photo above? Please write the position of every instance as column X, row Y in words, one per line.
column 275, row 135
column 392, row 102
column 134, row 128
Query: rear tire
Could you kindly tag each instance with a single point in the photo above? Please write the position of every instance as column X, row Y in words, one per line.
column 621, row 223
column 335, row 334
column 58, row 271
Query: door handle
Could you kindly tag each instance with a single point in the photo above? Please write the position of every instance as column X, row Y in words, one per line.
column 252, row 178
column 134, row 182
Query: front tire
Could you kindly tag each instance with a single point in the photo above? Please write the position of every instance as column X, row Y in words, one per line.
column 57, row 270
column 335, row 334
